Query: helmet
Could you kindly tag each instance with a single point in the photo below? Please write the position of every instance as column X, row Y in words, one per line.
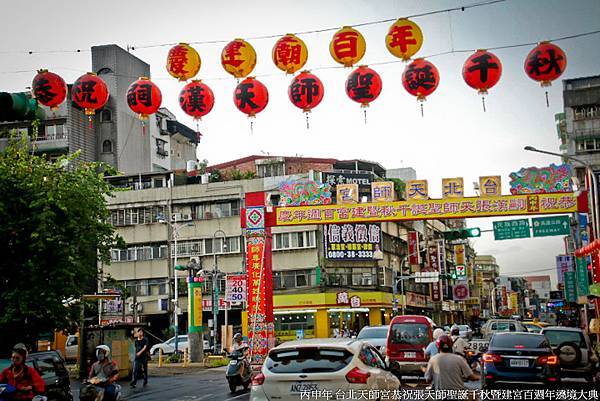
column 444, row 343
column 437, row 333
column 455, row 330
column 237, row 337
column 104, row 348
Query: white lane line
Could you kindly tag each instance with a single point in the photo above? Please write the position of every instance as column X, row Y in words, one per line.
column 236, row 397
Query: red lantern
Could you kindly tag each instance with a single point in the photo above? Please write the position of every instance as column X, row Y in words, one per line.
column 251, row 96
column 144, row 97
column 363, row 86
column 481, row 71
column 90, row 93
column 196, row 99
column 545, row 63
column 420, row 78
column 49, row 89
column 306, row 92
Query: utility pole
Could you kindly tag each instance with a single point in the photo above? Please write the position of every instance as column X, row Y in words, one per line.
column 215, row 282
column 195, row 336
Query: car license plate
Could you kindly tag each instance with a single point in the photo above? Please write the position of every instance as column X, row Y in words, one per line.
column 410, row 355
column 519, row 363
column 302, row 387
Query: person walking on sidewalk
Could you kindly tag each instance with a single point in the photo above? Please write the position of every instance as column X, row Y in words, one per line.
column 140, row 365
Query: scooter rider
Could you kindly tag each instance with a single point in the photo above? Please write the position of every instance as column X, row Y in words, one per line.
column 241, row 346
column 459, row 344
column 104, row 373
column 25, row 379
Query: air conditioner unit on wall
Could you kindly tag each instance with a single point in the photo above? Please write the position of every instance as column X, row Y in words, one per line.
column 176, row 217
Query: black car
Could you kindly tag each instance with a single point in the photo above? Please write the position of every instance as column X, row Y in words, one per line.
column 519, row 358
column 51, row 367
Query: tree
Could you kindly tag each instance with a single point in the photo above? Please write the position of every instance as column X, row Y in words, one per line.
column 53, row 230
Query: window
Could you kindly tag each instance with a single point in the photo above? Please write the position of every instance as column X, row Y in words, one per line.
column 107, row 146
column 410, row 334
column 295, row 240
column 519, row 341
column 139, row 253
column 157, row 287
column 270, row 170
column 557, row 337
column 106, row 116
column 308, row 360
column 46, row 368
column 161, row 149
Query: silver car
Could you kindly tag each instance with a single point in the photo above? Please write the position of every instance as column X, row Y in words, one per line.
column 500, row 326
column 574, row 350
column 376, row 336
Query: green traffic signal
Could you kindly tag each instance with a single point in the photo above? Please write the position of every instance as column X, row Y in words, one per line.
column 454, row 276
column 462, row 233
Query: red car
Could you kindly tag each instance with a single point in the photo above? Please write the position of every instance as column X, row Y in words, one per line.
column 407, row 339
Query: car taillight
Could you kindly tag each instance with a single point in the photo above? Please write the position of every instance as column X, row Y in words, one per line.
column 258, row 380
column 357, row 376
column 547, row 360
column 491, row 358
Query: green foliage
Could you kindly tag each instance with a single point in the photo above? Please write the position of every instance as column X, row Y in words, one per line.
column 236, row 175
column 53, row 231
column 216, row 176
column 217, row 362
column 202, row 166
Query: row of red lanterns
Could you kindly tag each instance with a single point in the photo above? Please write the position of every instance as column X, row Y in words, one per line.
column 593, row 247
column 481, row 71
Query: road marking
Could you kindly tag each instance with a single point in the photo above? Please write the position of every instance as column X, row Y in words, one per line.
column 237, row 396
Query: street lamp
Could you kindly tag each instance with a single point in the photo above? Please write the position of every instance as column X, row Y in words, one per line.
column 592, row 177
column 175, row 232
column 215, row 281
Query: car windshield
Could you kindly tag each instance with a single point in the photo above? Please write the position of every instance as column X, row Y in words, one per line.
column 557, row 337
column 533, row 328
column 410, row 334
column 308, row 360
column 373, row 332
column 519, row 341
column 463, row 327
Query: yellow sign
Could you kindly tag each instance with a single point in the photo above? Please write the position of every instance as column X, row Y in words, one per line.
column 330, row 300
column 382, row 191
column 457, row 208
column 417, row 189
column 459, row 254
column 453, row 187
column 347, row 193
column 514, row 302
column 490, row 185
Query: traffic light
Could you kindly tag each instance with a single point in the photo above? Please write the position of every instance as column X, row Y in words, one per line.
column 462, row 233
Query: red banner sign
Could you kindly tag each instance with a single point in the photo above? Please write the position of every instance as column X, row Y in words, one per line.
column 414, row 258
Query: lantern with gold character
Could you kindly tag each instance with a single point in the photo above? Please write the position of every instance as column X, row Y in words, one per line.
column 238, row 58
column 347, row 46
column 290, row 53
column 404, row 39
column 183, row 62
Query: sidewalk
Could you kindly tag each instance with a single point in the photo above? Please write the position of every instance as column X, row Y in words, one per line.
column 173, row 369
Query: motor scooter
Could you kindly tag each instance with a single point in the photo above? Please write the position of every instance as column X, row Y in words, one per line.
column 92, row 392
column 7, row 392
column 238, row 371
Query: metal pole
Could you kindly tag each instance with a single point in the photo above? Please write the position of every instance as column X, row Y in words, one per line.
column 176, row 302
column 215, row 296
column 394, row 292
column 402, row 307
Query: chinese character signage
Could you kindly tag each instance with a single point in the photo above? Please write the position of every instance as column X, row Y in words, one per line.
column 382, row 191
column 235, row 288
column 583, row 285
column 564, row 264
column 570, row 287
column 257, row 304
column 459, row 254
column 416, row 300
column 334, row 179
column 417, row 190
column 535, row 180
column 195, row 307
column 346, row 193
column 429, row 209
column 552, row 225
column 351, row 241
column 461, row 292
column 434, row 260
column 207, row 304
column 414, row 256
column 441, row 251
column 511, row 229
column 490, row 185
column 453, row 188
column 436, row 292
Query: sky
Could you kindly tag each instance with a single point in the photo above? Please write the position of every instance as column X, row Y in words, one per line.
column 455, row 138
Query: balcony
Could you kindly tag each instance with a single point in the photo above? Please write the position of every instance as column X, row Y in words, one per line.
column 304, row 279
column 586, row 133
column 49, row 142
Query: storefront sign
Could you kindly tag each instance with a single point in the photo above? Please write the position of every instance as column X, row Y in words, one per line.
column 416, row 300
column 351, row 241
column 235, row 288
column 382, row 191
column 334, row 179
column 564, row 263
column 434, row 260
column 514, row 302
column 207, row 304
column 258, row 334
column 504, row 296
column 417, row 190
column 461, row 292
column 441, row 251
column 459, row 253
column 436, row 292
column 490, row 185
column 570, row 287
column 414, row 256
column 347, row 194
column 342, row 298
column 583, row 285
column 195, row 307
column 453, row 187
column 429, row 209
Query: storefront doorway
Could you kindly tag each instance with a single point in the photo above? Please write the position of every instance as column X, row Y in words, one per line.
column 347, row 322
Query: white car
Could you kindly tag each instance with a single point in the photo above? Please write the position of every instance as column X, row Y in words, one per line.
column 168, row 347
column 376, row 336
column 322, row 369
